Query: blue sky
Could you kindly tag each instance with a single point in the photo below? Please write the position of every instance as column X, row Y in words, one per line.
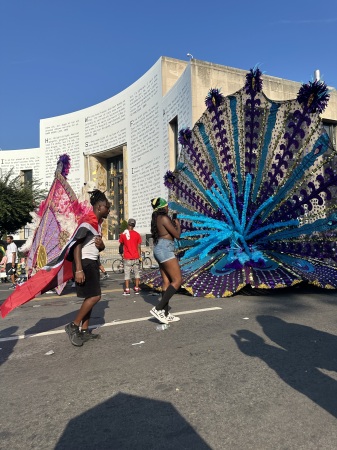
column 59, row 56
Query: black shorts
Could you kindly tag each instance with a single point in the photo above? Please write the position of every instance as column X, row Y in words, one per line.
column 9, row 267
column 92, row 286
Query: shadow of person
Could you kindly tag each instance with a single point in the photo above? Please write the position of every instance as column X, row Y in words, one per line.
column 316, row 347
column 130, row 422
column 304, row 352
column 51, row 323
column 8, row 341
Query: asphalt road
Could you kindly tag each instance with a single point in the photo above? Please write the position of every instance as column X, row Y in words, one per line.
column 247, row 372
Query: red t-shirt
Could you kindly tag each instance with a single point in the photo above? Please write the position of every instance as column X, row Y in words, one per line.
column 131, row 240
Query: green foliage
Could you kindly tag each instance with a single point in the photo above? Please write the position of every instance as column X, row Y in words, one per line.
column 123, row 226
column 17, row 200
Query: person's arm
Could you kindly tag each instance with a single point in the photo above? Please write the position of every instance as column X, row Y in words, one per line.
column 121, row 241
column 13, row 258
column 79, row 274
column 99, row 243
column 172, row 228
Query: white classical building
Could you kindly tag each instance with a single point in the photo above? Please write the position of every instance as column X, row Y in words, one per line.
column 126, row 144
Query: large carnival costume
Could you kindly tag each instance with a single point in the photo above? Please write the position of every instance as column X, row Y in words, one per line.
column 255, row 189
column 55, row 221
column 61, row 220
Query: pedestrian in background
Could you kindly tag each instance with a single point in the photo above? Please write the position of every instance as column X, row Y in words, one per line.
column 131, row 241
column 164, row 230
column 12, row 260
column 102, row 269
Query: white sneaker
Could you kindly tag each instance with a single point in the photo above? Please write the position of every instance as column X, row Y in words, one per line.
column 159, row 314
column 171, row 318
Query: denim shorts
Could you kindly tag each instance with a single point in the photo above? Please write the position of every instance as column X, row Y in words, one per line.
column 163, row 250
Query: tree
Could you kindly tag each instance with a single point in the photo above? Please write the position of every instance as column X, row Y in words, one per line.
column 123, row 226
column 17, row 200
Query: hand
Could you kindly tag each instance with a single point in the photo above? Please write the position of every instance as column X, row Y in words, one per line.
column 176, row 223
column 99, row 243
column 80, row 277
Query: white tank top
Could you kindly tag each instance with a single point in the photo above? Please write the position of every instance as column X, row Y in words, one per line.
column 89, row 249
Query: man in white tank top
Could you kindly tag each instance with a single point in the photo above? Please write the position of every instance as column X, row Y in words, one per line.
column 86, row 269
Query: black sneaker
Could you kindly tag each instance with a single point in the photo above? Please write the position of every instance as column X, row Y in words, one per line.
column 88, row 336
column 74, row 334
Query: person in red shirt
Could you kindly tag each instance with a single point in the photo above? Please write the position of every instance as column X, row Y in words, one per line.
column 131, row 241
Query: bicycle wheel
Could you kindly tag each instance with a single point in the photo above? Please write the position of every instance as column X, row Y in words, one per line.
column 118, row 266
column 147, row 263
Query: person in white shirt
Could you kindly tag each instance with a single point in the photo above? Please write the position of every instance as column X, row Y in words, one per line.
column 86, row 268
column 12, row 259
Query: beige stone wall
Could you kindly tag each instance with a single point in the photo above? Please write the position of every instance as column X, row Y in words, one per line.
column 208, row 75
column 331, row 111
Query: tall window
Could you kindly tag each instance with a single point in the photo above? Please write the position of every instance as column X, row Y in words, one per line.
column 331, row 129
column 27, row 176
column 27, row 232
column 116, row 192
column 173, row 142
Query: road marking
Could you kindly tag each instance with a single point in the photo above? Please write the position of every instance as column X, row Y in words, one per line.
column 108, row 324
column 71, row 295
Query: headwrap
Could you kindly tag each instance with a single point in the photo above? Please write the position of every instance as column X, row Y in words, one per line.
column 158, row 203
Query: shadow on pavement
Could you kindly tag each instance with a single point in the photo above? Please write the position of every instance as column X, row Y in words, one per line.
column 7, row 347
column 130, row 422
column 304, row 352
column 50, row 323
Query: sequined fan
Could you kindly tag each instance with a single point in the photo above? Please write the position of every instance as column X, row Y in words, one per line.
column 255, row 189
column 56, row 220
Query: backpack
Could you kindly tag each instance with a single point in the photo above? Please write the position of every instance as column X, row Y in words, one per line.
column 121, row 249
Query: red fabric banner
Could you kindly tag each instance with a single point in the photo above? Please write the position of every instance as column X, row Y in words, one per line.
column 57, row 272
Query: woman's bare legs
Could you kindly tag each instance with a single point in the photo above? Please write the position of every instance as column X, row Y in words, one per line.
column 172, row 274
column 166, row 281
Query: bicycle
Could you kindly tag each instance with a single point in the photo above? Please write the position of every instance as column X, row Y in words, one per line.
column 145, row 264
column 118, row 266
